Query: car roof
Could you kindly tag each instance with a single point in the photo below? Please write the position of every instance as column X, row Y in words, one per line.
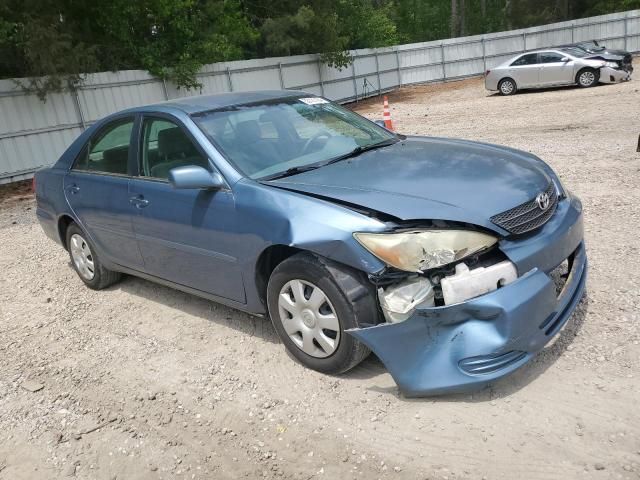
column 540, row 50
column 203, row 103
column 530, row 52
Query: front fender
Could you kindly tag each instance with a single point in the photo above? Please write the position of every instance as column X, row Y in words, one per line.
column 270, row 216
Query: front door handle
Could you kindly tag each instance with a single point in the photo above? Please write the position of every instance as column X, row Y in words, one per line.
column 139, row 201
column 73, row 189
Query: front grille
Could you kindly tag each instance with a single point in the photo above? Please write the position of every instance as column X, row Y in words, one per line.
column 529, row 215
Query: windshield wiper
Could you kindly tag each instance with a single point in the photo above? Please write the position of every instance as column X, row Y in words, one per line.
column 290, row 171
column 353, row 153
column 358, row 150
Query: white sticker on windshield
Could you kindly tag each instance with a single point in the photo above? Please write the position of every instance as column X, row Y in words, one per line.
column 313, row 100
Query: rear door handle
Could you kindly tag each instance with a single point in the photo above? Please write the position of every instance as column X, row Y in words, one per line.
column 139, row 201
column 73, row 189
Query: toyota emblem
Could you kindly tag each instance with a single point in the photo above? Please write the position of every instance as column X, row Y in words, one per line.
column 543, row 201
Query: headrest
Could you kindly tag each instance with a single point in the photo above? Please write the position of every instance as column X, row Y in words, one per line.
column 173, row 142
column 248, row 131
column 115, row 159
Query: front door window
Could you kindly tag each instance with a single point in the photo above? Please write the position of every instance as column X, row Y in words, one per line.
column 165, row 146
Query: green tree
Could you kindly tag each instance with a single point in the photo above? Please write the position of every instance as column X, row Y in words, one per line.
column 329, row 27
column 51, row 43
column 172, row 39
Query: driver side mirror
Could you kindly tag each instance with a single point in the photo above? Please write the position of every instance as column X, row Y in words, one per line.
column 565, row 59
column 194, row 177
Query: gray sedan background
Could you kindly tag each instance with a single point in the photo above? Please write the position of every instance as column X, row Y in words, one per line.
column 550, row 68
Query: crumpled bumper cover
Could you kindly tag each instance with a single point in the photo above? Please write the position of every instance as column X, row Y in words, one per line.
column 463, row 347
column 614, row 75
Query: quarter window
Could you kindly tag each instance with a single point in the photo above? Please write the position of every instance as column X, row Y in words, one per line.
column 165, row 146
column 529, row 59
column 108, row 152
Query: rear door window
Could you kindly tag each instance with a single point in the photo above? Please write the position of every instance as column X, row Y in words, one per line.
column 108, row 151
column 529, row 59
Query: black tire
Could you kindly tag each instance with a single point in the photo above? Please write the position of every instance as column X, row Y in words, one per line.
column 587, row 77
column 102, row 277
column 507, row 86
column 349, row 292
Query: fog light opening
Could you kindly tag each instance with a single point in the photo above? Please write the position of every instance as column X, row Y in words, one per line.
column 400, row 300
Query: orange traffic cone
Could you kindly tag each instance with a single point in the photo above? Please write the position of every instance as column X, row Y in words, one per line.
column 386, row 116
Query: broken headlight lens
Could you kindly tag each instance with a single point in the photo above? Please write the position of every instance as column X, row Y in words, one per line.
column 418, row 250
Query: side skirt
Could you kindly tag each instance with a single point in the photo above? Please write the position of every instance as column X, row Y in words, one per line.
column 193, row 291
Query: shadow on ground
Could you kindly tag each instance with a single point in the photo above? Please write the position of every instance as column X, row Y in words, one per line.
column 371, row 367
column 213, row 312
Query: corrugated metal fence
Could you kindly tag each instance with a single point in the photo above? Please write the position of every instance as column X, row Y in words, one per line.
column 33, row 134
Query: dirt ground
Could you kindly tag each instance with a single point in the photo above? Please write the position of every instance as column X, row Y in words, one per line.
column 144, row 382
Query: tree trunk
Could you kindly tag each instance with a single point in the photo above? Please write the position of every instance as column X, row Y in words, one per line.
column 562, row 7
column 483, row 8
column 454, row 18
column 507, row 15
column 462, row 28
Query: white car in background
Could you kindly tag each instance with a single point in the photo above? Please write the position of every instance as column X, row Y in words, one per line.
column 552, row 68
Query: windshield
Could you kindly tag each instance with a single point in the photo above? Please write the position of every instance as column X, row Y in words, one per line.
column 575, row 52
column 590, row 47
column 266, row 139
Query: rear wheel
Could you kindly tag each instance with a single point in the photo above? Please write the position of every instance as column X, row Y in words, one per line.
column 507, row 86
column 85, row 261
column 312, row 301
column 587, row 77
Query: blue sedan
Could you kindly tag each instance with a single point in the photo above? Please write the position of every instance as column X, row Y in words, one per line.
column 454, row 261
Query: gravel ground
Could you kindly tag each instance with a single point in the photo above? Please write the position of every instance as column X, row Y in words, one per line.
column 143, row 382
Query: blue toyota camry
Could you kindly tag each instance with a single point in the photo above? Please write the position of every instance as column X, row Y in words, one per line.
column 454, row 261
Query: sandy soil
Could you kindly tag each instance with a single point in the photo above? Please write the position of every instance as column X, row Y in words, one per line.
column 144, row 382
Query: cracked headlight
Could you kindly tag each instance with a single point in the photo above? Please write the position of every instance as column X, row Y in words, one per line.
column 418, row 250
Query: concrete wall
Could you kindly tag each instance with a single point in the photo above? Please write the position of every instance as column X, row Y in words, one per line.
column 34, row 134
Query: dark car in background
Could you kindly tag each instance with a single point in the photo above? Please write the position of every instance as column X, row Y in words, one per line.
column 596, row 51
column 454, row 261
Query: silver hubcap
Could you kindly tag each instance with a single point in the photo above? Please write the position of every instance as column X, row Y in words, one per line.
column 309, row 318
column 82, row 256
column 506, row 87
column 587, row 78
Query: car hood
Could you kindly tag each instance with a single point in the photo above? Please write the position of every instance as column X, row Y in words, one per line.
column 616, row 57
column 429, row 179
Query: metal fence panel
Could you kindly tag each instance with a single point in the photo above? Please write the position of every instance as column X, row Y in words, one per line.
column 464, row 68
column 506, row 45
column 388, row 61
column 27, row 112
column 422, row 74
column 339, row 89
column 34, row 134
column 464, row 51
column 329, row 73
column 297, row 76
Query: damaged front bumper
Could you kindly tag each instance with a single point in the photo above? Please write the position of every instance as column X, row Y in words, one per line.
column 465, row 346
column 614, row 75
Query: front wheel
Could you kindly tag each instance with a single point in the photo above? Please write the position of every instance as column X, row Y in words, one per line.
column 587, row 77
column 312, row 302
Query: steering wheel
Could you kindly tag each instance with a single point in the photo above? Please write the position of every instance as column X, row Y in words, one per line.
column 320, row 134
